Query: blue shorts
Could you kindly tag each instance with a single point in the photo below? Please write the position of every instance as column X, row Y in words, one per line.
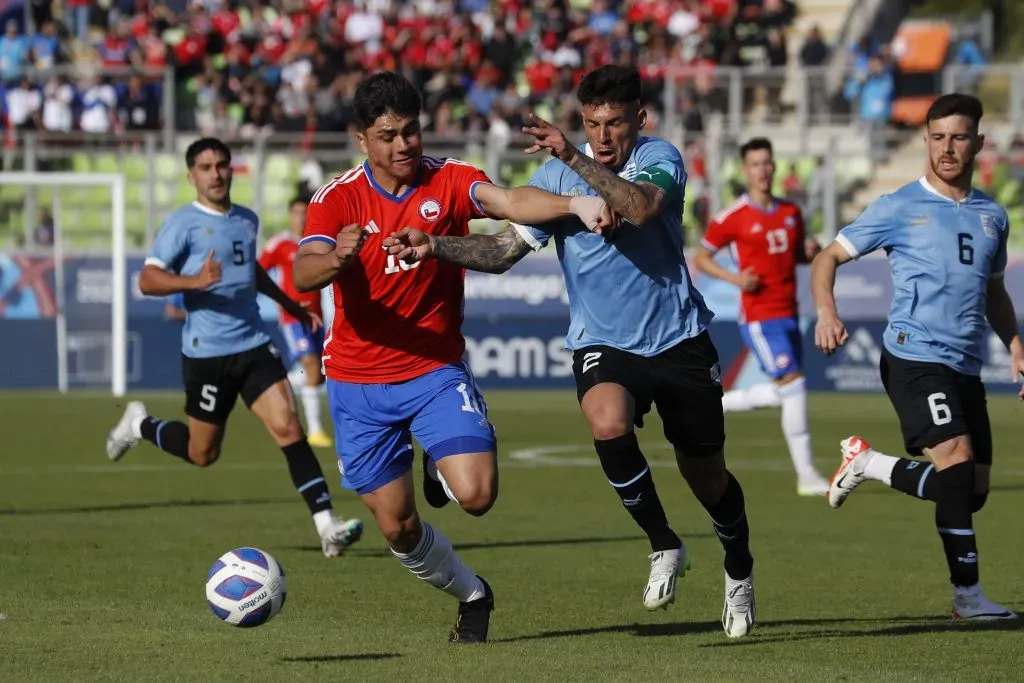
column 301, row 342
column 776, row 344
column 374, row 424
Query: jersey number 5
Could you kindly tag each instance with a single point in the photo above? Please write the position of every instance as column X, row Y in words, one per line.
column 238, row 248
column 778, row 241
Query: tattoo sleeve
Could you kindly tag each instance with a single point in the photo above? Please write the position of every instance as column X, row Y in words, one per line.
column 636, row 202
column 485, row 253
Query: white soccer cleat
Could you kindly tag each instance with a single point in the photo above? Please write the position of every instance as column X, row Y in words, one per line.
column 856, row 454
column 970, row 604
column 341, row 534
column 812, row 485
column 739, row 613
column 123, row 436
column 666, row 565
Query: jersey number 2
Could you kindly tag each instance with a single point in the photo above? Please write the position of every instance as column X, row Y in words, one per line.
column 778, row 241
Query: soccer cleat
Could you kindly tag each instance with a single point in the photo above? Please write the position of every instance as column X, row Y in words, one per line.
column 970, row 604
column 666, row 565
column 474, row 619
column 123, row 437
column 340, row 535
column 856, row 454
column 319, row 440
column 739, row 613
column 433, row 489
column 812, row 485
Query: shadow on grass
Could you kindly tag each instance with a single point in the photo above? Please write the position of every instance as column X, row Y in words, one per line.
column 152, row 505
column 823, row 628
column 362, row 551
column 361, row 657
column 917, row 625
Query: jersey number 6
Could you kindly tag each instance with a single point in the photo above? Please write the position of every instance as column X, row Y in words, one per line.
column 966, row 249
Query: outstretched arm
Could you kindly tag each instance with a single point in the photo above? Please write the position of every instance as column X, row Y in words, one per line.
column 531, row 205
column 637, row 202
column 485, row 253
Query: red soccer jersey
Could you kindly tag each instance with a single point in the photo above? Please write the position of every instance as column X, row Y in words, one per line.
column 279, row 252
column 769, row 242
column 393, row 321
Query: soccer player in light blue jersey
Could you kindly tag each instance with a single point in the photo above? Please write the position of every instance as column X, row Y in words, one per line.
column 638, row 327
column 946, row 243
column 207, row 252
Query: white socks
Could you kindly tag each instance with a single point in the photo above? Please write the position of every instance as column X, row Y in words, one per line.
column 311, row 407
column 794, row 427
column 434, row 561
column 880, row 467
column 323, row 521
column 751, row 398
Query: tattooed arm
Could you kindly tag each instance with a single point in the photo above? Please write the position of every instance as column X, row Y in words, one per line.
column 637, row 202
column 485, row 253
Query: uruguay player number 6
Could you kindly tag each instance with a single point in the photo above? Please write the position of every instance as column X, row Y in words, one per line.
column 940, row 411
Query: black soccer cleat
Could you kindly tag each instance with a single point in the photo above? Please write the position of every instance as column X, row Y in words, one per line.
column 433, row 490
column 474, row 618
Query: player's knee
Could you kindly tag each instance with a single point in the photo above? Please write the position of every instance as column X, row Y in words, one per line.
column 610, row 425
column 203, row 456
column 401, row 533
column 978, row 501
column 286, row 429
column 478, row 498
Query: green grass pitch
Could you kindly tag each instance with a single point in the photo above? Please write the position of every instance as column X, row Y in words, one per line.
column 102, row 566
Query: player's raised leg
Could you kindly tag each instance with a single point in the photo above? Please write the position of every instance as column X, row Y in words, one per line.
column 376, row 452
column 197, row 442
column 275, row 406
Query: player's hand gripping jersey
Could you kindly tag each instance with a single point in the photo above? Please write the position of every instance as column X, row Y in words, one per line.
column 395, row 321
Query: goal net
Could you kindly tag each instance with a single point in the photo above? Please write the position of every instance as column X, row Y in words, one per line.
column 60, row 213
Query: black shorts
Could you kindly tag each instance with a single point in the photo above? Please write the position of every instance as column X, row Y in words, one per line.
column 684, row 382
column 212, row 385
column 935, row 403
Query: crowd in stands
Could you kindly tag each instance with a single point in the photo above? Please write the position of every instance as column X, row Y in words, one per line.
column 243, row 66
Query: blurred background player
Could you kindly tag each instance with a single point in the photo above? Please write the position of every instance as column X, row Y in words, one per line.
column 207, row 251
column 174, row 307
column 305, row 343
column 946, row 243
column 638, row 327
column 394, row 357
column 769, row 241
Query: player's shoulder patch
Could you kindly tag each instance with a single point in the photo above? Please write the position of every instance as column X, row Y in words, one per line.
column 338, row 181
column 737, row 205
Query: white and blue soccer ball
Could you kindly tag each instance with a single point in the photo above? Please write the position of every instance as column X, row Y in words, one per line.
column 246, row 587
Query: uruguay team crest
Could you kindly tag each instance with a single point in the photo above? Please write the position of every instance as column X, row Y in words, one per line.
column 988, row 225
column 430, row 209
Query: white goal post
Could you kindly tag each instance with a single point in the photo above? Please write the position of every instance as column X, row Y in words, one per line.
column 118, row 268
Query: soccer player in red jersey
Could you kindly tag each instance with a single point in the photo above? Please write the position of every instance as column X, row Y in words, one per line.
column 768, row 240
column 304, row 344
column 393, row 357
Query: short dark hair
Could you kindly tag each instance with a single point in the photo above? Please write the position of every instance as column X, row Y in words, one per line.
column 610, row 84
column 382, row 93
column 204, row 145
column 955, row 104
column 298, row 199
column 754, row 144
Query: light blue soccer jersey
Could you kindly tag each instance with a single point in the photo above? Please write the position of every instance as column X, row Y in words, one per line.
column 224, row 319
column 942, row 254
column 633, row 293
